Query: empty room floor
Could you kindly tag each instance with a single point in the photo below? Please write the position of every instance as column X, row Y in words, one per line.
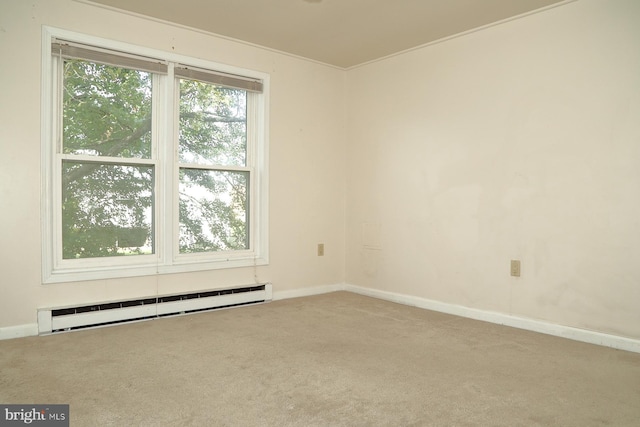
column 337, row 359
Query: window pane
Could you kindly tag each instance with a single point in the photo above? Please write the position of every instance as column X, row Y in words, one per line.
column 213, row 210
column 106, row 111
column 213, row 124
column 107, row 210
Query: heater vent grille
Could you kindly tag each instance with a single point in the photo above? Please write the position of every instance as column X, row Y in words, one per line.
column 86, row 316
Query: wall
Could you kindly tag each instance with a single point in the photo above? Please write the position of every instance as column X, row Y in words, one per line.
column 307, row 166
column 519, row 141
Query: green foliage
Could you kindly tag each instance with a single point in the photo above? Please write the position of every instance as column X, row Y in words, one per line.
column 213, row 205
column 107, row 110
column 213, row 210
column 100, row 203
column 212, row 124
column 107, row 208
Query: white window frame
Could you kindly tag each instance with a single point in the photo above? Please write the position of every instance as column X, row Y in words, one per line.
column 166, row 258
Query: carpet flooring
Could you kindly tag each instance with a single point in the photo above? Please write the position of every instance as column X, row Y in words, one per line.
column 337, row 359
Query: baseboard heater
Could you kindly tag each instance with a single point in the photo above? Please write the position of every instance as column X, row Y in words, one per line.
column 51, row 320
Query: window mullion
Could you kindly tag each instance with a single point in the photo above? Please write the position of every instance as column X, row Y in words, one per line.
column 165, row 146
column 254, row 180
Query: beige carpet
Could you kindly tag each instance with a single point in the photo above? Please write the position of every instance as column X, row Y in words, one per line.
column 331, row 360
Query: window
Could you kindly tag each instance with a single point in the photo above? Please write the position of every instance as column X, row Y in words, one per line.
column 153, row 162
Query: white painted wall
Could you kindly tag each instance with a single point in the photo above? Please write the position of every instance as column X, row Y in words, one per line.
column 307, row 161
column 520, row 141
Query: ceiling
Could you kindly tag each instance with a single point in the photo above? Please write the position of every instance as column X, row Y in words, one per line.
column 343, row 33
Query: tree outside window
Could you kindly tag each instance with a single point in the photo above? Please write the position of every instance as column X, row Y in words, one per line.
column 144, row 156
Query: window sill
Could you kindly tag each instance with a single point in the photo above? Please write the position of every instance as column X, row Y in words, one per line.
column 102, row 273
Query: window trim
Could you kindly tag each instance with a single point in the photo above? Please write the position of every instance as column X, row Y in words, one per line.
column 166, row 258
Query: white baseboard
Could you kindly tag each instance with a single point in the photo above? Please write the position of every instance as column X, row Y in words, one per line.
column 19, row 331
column 306, row 292
column 576, row 334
